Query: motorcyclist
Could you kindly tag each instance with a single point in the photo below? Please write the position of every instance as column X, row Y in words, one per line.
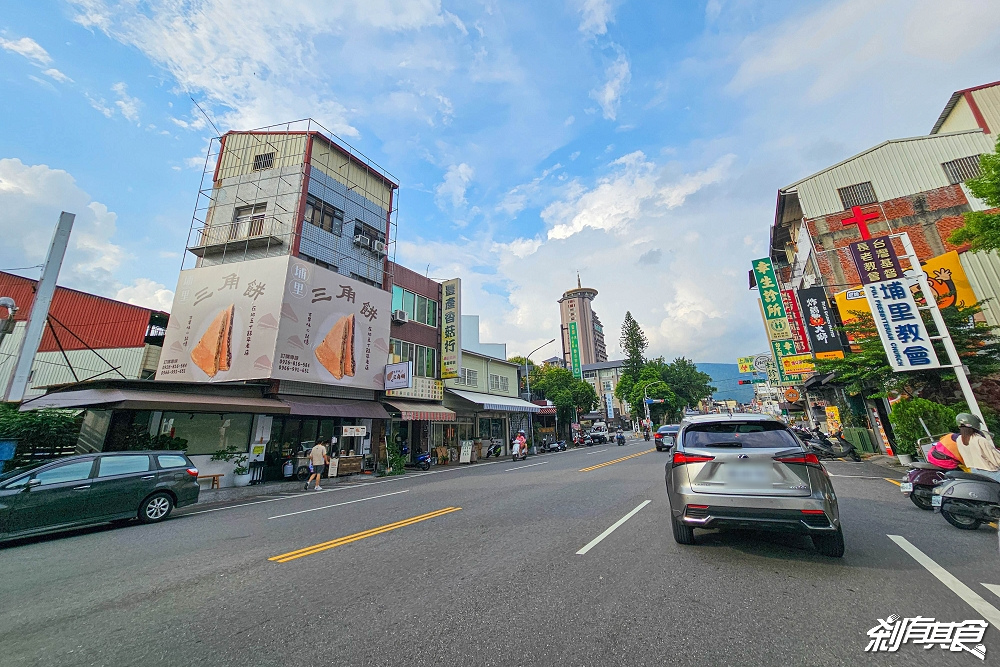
column 944, row 454
column 620, row 436
column 521, row 443
column 976, row 448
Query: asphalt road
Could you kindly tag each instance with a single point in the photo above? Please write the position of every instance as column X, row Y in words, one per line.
column 479, row 565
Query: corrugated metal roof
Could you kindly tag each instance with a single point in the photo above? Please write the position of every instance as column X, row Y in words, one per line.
column 896, row 168
column 983, row 271
column 100, row 322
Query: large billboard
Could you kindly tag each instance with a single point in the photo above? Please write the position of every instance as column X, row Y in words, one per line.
column 772, row 306
column 900, row 326
column 279, row 317
column 821, row 327
column 574, row 350
column 451, row 328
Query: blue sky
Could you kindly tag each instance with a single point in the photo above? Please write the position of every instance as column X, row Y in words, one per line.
column 640, row 143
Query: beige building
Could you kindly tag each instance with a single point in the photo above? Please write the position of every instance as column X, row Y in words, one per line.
column 575, row 306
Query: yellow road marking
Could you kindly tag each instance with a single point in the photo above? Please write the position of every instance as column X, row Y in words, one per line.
column 624, row 458
column 892, row 480
column 340, row 541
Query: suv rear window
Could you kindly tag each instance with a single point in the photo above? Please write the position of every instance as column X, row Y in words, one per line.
column 740, row 434
column 171, row 461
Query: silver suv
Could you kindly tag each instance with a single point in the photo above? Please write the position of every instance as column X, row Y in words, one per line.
column 749, row 471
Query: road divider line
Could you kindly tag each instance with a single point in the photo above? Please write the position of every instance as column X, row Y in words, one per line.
column 993, row 588
column 347, row 502
column 894, row 481
column 527, row 466
column 597, row 540
column 347, row 539
column 598, row 451
column 608, row 463
column 972, row 598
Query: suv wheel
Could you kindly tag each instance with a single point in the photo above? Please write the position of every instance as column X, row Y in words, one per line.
column 830, row 544
column 683, row 534
column 156, row 508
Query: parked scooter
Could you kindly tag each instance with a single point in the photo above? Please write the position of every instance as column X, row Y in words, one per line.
column 967, row 500
column 494, row 450
column 824, row 447
column 423, row 460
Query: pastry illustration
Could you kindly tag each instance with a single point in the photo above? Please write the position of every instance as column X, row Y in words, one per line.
column 287, row 311
column 268, row 322
column 336, row 352
column 214, row 353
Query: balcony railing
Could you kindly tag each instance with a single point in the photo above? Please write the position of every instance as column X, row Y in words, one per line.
column 241, row 234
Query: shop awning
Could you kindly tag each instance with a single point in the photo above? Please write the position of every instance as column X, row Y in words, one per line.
column 547, row 410
column 134, row 399
column 416, row 411
column 333, row 407
column 493, row 402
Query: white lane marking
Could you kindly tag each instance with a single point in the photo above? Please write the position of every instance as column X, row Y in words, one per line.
column 349, row 502
column 994, row 588
column 527, row 466
column 972, row 598
column 856, row 476
column 598, row 451
column 597, row 540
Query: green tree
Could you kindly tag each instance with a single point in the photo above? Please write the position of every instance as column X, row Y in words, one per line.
column 905, row 419
column 634, row 343
column 687, row 382
column 570, row 395
column 982, row 230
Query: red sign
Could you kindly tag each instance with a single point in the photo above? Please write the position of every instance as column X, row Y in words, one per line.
column 794, row 313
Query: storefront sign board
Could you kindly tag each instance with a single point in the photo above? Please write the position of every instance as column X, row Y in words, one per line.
column 609, row 404
column 795, row 321
column 745, row 364
column 798, row 364
column 876, row 260
column 574, row 350
column 772, row 306
column 354, row 431
column 451, row 328
column 782, row 349
column 823, row 334
column 399, row 376
column 903, row 333
column 832, row 419
column 276, row 318
column 427, row 389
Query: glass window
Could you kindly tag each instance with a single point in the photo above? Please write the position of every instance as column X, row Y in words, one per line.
column 397, row 297
column 171, row 461
column 431, row 371
column 408, row 299
column 207, row 433
column 432, row 312
column 122, row 465
column 421, row 359
column 70, row 472
column 421, row 314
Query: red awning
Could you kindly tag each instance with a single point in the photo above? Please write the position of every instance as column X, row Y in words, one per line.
column 427, row 412
column 547, row 410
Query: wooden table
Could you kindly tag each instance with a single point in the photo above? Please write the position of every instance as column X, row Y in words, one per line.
column 215, row 479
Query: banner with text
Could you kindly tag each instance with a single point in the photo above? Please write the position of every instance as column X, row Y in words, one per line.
column 775, row 317
column 820, row 325
column 903, row 333
column 574, row 350
column 451, row 328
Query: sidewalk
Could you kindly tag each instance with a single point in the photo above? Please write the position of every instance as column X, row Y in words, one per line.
column 272, row 488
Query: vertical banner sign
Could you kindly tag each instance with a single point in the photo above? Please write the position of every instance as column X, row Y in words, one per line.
column 823, row 335
column 574, row 350
column 782, row 349
column 610, row 405
column 775, row 318
column 832, row 419
column 876, row 260
column 451, row 328
column 903, row 333
column 795, row 321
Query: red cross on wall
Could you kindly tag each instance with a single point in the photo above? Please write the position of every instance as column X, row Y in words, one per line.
column 861, row 220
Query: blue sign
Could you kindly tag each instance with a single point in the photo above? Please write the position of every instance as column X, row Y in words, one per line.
column 7, row 449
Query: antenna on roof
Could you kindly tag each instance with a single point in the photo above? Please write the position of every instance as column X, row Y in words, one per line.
column 578, row 280
column 206, row 117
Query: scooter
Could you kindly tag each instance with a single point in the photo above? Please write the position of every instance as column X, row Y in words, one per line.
column 645, row 436
column 519, row 454
column 423, row 460
column 620, row 439
column 824, row 447
column 967, row 500
column 494, row 450
column 920, row 481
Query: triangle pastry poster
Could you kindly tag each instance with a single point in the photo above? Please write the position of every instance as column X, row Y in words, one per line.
column 278, row 317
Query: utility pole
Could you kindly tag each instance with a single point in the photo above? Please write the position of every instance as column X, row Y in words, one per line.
column 527, row 380
column 40, row 308
column 645, row 399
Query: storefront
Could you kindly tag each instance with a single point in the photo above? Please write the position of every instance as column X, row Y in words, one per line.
column 414, row 424
column 483, row 419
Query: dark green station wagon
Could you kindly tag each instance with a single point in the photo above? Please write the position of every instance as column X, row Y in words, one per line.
column 95, row 488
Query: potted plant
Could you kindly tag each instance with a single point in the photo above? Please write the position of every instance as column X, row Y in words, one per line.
column 240, row 459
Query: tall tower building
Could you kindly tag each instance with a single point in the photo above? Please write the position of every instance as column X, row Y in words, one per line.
column 575, row 307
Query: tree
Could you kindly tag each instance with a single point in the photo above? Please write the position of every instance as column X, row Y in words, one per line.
column 634, row 343
column 685, row 380
column 570, row 395
column 982, row 230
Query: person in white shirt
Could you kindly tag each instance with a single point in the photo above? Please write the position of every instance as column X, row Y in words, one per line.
column 319, row 457
column 976, row 448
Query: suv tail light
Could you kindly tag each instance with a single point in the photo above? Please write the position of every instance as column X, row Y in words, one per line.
column 805, row 459
column 680, row 458
column 193, row 472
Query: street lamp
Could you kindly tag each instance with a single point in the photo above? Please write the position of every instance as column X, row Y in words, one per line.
column 527, row 380
column 645, row 396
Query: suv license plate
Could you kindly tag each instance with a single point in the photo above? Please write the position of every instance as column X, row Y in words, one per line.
column 935, row 501
column 906, row 487
column 748, row 473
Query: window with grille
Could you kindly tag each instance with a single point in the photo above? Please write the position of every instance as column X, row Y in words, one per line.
column 962, row 169
column 468, row 377
column 499, row 383
column 263, row 161
column 859, row 194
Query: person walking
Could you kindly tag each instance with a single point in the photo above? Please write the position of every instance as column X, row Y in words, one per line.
column 318, row 457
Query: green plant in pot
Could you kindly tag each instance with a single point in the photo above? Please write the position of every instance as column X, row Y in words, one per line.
column 240, row 459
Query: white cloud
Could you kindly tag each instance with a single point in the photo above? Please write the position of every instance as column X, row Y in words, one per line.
column 53, row 73
column 28, row 48
column 595, row 15
column 100, row 104
column 451, row 191
column 31, row 197
column 146, row 293
column 127, row 105
column 618, row 74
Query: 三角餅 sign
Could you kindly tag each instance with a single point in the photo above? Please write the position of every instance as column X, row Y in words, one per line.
column 399, row 376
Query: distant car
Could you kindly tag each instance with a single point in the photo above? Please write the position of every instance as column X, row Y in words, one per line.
column 665, row 436
column 598, row 437
column 95, row 488
column 749, row 471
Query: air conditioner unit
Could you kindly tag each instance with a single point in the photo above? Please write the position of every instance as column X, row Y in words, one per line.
column 400, row 316
column 379, row 247
column 360, row 239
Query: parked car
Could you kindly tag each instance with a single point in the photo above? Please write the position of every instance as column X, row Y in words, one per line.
column 665, row 436
column 749, row 471
column 95, row 488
